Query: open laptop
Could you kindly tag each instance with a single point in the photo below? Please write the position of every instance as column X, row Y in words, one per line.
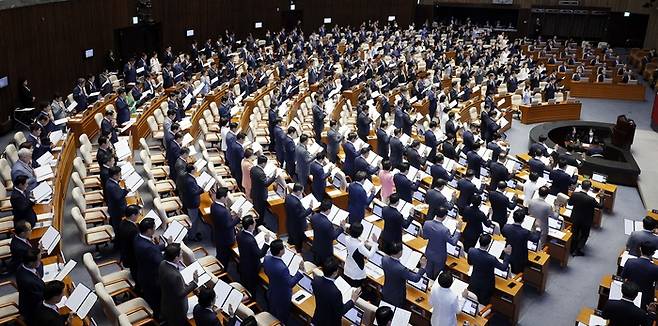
column 354, row 315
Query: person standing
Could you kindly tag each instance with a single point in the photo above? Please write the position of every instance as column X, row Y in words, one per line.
column 584, row 207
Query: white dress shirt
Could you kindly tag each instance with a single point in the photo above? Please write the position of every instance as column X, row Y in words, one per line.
column 445, row 305
column 529, row 188
column 352, row 270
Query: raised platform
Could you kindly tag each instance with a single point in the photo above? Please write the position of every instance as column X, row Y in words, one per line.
column 550, row 112
column 617, row 163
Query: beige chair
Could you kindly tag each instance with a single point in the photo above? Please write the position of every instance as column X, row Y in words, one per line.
column 208, row 136
column 210, row 263
column 92, row 197
column 5, row 173
column 19, row 138
column 7, row 225
column 162, row 187
column 155, row 129
column 9, row 304
column 5, row 251
column 98, row 117
column 116, row 283
column 559, row 97
column 89, row 159
column 516, row 101
column 90, row 181
column 473, row 114
column 265, row 318
column 210, row 154
column 163, row 210
column 11, row 153
column 137, row 311
column 157, row 157
column 94, row 236
column 537, row 98
column 154, row 173
column 91, row 215
column 5, row 204
column 84, row 140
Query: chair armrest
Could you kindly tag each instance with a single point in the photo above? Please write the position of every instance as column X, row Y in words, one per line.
column 110, row 262
column 518, row 277
column 486, row 310
column 202, row 249
column 144, row 322
column 9, row 283
column 137, row 309
column 9, row 304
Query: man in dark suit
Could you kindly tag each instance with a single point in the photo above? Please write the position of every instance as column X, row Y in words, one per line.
column 319, row 176
column 115, row 197
column 296, row 216
column 414, row 158
column 205, row 315
column 363, row 122
column 39, row 145
column 500, row 203
column 383, row 140
column 350, row 154
column 640, row 236
column 468, row 138
column 643, row 272
column 438, row 236
column 396, row 276
column 450, row 125
column 466, row 190
column 250, row 254
column 397, row 148
column 125, row 235
column 334, row 138
column 20, row 243
column 431, row 141
column 448, row 148
column 123, row 111
column 279, row 291
column 149, row 251
column 535, row 164
column 561, row 180
column 104, row 150
column 173, row 288
column 108, row 127
column 224, row 222
column 47, row 312
column 403, row 186
column 190, row 195
column 474, row 161
column 482, row 281
column 498, row 172
column 357, row 199
column 237, row 154
column 518, row 237
column 21, row 203
column 289, row 148
column 324, row 233
column 582, row 216
column 318, row 119
column 30, row 285
column 394, row 222
column 173, row 153
column 540, row 146
column 361, row 164
column 435, row 198
column 259, row 184
column 624, row 312
column 329, row 306
column 437, row 171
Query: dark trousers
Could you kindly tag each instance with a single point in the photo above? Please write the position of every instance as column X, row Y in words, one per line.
column 223, row 254
column 580, row 235
column 354, row 283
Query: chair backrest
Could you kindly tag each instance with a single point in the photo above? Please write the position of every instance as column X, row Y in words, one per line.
column 153, row 189
column 124, row 321
column 19, row 138
column 157, row 204
column 204, row 126
column 109, row 307
column 98, row 117
column 5, row 169
column 473, row 113
column 11, row 153
column 92, row 268
column 80, row 223
column 146, row 158
column 152, row 124
column 559, row 97
column 159, row 118
column 3, row 191
column 85, row 151
column 144, row 145
column 213, row 109
column 80, row 167
column 77, row 181
column 84, row 140
column 517, row 99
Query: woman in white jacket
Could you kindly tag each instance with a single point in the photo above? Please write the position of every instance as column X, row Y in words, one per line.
column 357, row 255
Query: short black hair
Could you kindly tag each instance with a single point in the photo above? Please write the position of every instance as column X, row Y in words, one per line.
column 384, row 315
column 326, row 205
column 330, row 266
column 171, row 251
column 648, row 223
column 115, row 170
column 31, row 256
column 146, row 224
column 355, row 230
column 445, row 279
column 221, row 192
column 647, row 248
column 21, row 226
column 534, row 176
column 360, row 176
column 53, row 289
column 629, row 290
column 247, row 221
column 485, row 239
column 543, row 191
column 132, row 210
column 297, row 187
column 276, row 247
column 206, row 296
column 518, row 215
column 586, row 185
column 396, row 248
column 394, row 198
column 20, row 180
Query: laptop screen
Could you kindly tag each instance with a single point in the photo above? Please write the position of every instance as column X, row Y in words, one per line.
column 470, row 307
column 453, row 250
column 305, row 283
column 502, row 273
column 421, row 285
column 419, row 196
column 354, row 315
column 554, row 223
column 377, row 210
column 377, row 259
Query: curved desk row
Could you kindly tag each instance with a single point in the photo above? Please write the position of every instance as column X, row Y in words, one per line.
column 634, row 92
column 550, row 112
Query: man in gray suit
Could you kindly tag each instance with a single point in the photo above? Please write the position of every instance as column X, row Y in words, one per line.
column 334, row 138
column 173, row 288
column 438, row 236
column 24, row 167
column 179, row 167
column 640, row 236
column 303, row 161
column 541, row 211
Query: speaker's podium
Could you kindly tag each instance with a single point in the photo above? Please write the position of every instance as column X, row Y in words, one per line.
column 623, row 132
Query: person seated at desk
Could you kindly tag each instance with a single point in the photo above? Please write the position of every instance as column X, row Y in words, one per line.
column 577, row 76
column 30, row 285
column 482, row 282
column 329, row 307
column 250, row 255
column 624, row 312
column 394, row 223
column 396, row 276
column 173, row 289
column 643, row 272
column 640, row 236
column 279, row 290
column 518, row 237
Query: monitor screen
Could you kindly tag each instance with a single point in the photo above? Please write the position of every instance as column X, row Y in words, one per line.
column 4, row 81
column 419, row 196
column 421, row 285
column 305, row 283
column 453, row 250
column 377, row 259
column 470, row 307
column 501, row 273
column 377, row 210
column 554, row 223
column 354, row 316
column 89, row 53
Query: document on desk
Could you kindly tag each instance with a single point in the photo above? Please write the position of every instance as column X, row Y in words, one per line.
column 176, row 231
column 46, row 159
column 185, row 123
column 226, row 295
column 630, row 226
column 122, row 150
column 344, row 288
column 595, row 320
column 205, row 181
column 134, row 181
column 410, row 257
column 126, row 169
column 241, row 206
column 61, row 273
column 188, row 272
column 127, row 125
column 81, row 301
column 400, row 316
column 42, row 192
column 71, row 106
column 310, row 202
column 44, row 172
column 187, row 139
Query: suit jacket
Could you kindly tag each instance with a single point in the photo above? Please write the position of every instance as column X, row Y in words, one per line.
column 360, row 164
column 259, row 184
column 466, row 191
column 518, row 237
column 541, row 211
column 46, row 316
column 148, row 264
column 20, row 168
column 318, row 119
column 499, row 205
column 279, row 291
column 431, row 142
column 636, row 238
column 237, row 154
column 357, row 201
column 438, row 235
column 405, row 187
column 468, row 140
column 475, row 162
column 205, row 317
column 537, row 166
column 497, row 172
column 103, row 155
column 383, row 140
column 30, row 291
column 126, row 240
column 174, row 294
column 415, row 159
column 115, row 197
column 449, row 151
column 172, row 154
column 18, row 249
column 250, row 255
column 224, row 225
column 625, row 313
column 482, row 281
column 644, row 273
column 319, row 180
column 397, row 150
column 324, row 235
column 333, row 142
column 583, row 208
column 296, row 219
column 289, row 149
column 303, row 161
column 539, row 147
column 329, row 307
column 350, row 155
column 435, row 199
column 394, row 222
column 438, row 172
column 109, row 131
column 123, row 111
column 560, row 182
column 396, row 276
column 474, row 219
column 191, row 192
column 22, row 207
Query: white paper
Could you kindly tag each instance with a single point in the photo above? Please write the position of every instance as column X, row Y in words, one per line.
column 226, row 295
column 595, row 320
column 134, row 181
column 176, row 231
column 187, row 139
column 188, row 273
column 630, row 226
column 344, row 288
column 205, row 181
column 46, row 159
column 56, row 136
column 60, row 122
column 65, row 270
column 44, row 172
column 152, row 214
column 81, row 300
column 615, row 293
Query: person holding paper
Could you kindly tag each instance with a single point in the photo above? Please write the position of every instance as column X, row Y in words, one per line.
column 431, row 141
column 125, row 238
column 277, row 135
column 250, row 254
column 35, row 138
column 115, row 197
column 123, row 111
column 30, row 285
column 561, row 180
column 259, row 184
column 645, row 235
column 296, row 215
column 438, row 236
column 279, row 291
column 180, row 168
column 414, row 158
column 324, row 233
column 363, row 122
column 474, row 219
column 247, row 162
column 582, row 216
column 104, row 150
column 624, row 312
column 47, row 312
column 236, row 150
column 435, row 198
column 24, row 167
column 20, row 244
column 448, row 147
column 451, row 126
column 334, row 138
column 541, row 210
column 205, row 315
column 357, row 198
column 318, row 118
column 517, row 237
column 498, row 171
column 289, row 148
column 357, row 253
column 405, row 187
column 467, row 190
column 643, row 272
column 394, row 223
column 444, row 301
column 80, row 95
column 108, row 127
column 383, row 139
column 474, row 161
column 319, row 183
column 329, row 304
column 22, row 205
column 396, row 276
column 224, row 222
column 303, row 160
column 190, row 194
column 468, row 138
column 500, row 203
column 482, row 281
column 173, row 153
column 386, row 181
column 535, row 164
column 529, row 188
column 350, row 154
column 149, row 251
column 361, row 164
column 173, row 289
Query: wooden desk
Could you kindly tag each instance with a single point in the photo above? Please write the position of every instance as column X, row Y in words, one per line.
column 84, row 123
column 633, row 92
column 550, row 112
column 583, row 315
column 141, row 127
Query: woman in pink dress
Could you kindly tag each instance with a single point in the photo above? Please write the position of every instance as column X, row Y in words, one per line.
column 246, row 165
column 386, row 180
